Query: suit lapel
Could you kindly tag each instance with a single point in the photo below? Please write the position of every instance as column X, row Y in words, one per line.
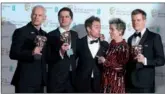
column 130, row 41
column 100, row 51
column 144, row 37
column 57, row 32
column 72, row 40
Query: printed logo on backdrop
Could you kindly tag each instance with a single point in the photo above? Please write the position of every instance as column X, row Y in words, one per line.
column 154, row 13
column 19, row 23
column 45, row 23
column 5, row 37
column 155, row 29
column 71, row 7
column 13, row 7
column 105, row 27
column 157, row 13
column 7, row 69
column 3, row 19
column 74, row 24
column 129, row 27
column 4, row 6
column 27, row 7
column 11, row 68
column 56, row 9
column 78, row 9
column 160, row 74
column 98, row 11
column 50, row 24
column 5, row 81
column 5, row 51
column 112, row 10
column 119, row 11
column 49, row 8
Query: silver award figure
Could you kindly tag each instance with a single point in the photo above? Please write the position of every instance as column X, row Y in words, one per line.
column 40, row 42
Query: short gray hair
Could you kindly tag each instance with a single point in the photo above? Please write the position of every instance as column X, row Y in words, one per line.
column 120, row 24
column 39, row 6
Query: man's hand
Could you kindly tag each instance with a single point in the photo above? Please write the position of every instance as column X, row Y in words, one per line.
column 101, row 59
column 37, row 50
column 140, row 58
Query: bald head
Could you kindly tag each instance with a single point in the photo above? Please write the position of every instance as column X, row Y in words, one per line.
column 38, row 15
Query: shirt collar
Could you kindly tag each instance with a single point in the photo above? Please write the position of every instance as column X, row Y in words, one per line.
column 90, row 39
column 62, row 30
column 142, row 32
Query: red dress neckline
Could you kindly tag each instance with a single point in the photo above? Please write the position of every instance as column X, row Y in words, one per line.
column 113, row 42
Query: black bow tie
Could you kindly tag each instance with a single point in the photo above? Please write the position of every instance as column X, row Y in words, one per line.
column 137, row 34
column 94, row 41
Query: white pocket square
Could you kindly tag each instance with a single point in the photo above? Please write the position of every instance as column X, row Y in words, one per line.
column 145, row 45
column 32, row 32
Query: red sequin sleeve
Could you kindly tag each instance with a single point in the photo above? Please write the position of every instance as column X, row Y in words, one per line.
column 118, row 59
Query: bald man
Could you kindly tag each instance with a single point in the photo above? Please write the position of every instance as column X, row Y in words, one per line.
column 30, row 74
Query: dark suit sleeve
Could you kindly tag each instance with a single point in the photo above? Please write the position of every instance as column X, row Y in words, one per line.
column 105, row 45
column 16, row 51
column 44, row 50
column 159, row 59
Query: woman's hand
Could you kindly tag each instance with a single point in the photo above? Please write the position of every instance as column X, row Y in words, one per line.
column 101, row 59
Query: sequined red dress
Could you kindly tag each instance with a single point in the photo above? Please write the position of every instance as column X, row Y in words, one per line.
column 113, row 68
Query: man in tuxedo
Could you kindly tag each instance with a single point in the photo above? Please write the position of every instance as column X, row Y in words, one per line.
column 141, row 67
column 88, row 73
column 61, row 55
column 30, row 74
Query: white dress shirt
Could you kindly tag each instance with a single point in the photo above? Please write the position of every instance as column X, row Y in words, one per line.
column 136, row 40
column 93, row 49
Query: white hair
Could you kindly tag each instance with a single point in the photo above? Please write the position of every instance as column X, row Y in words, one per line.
column 39, row 6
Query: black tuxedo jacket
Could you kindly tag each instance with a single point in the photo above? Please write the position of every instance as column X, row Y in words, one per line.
column 140, row 75
column 86, row 63
column 29, row 71
column 58, row 68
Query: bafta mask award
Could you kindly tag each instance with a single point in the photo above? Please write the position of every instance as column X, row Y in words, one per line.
column 40, row 42
column 66, row 38
column 136, row 49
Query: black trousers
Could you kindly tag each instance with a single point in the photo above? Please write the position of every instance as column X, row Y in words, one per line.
column 140, row 90
column 66, row 87
column 90, row 85
column 95, row 85
column 29, row 89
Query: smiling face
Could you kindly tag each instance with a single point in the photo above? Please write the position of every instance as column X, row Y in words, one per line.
column 138, row 22
column 94, row 29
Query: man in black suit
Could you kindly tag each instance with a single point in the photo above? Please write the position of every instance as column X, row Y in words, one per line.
column 88, row 73
column 61, row 55
column 141, row 68
column 30, row 74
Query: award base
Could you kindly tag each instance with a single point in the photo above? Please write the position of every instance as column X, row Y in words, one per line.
column 37, row 57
